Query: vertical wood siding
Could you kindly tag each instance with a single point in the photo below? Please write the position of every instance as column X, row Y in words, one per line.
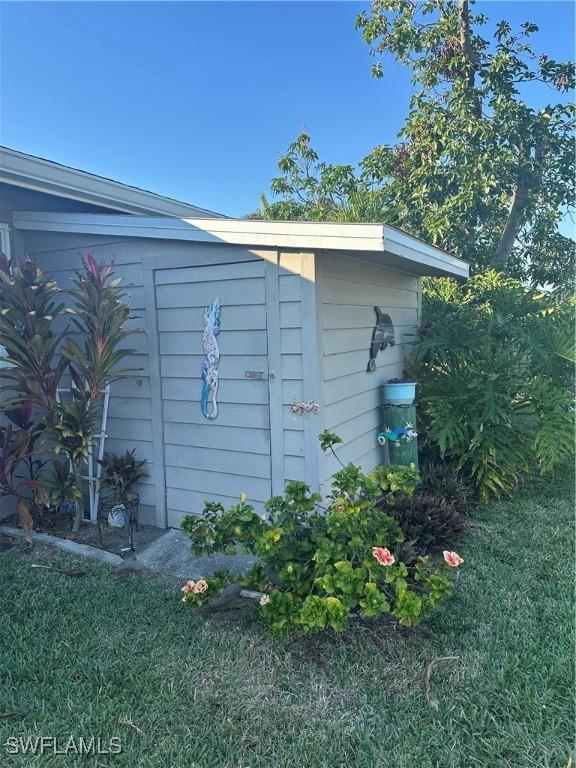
column 295, row 379
column 218, row 459
column 191, row 445
column 348, row 291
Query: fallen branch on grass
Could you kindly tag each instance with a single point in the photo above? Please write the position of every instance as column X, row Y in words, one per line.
column 235, row 597
column 129, row 724
column 65, row 571
column 430, row 698
column 232, row 597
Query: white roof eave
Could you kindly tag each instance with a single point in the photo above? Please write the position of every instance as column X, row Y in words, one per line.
column 405, row 251
column 36, row 173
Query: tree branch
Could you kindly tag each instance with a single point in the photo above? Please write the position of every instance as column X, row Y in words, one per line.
column 526, row 186
column 469, row 54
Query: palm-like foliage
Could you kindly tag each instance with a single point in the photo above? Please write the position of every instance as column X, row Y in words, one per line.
column 74, row 427
column 100, row 314
column 38, row 355
column 493, row 395
column 561, row 334
column 14, row 449
column 121, row 473
column 60, row 484
column 29, row 307
column 21, row 417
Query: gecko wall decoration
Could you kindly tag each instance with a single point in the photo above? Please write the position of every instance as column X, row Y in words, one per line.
column 382, row 337
column 208, row 402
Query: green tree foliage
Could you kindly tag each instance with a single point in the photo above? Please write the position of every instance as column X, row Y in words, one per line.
column 476, row 170
column 493, row 396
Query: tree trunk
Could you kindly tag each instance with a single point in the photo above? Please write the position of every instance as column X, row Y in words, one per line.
column 512, row 228
column 469, row 55
column 527, row 185
column 466, row 42
column 79, row 516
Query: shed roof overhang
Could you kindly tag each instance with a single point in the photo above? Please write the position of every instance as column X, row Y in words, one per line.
column 41, row 175
column 374, row 242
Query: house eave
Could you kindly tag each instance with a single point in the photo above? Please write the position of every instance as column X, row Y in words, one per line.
column 387, row 244
column 35, row 173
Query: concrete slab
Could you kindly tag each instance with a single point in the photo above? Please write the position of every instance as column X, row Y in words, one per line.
column 171, row 555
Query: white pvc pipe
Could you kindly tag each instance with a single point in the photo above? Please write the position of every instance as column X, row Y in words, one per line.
column 94, row 513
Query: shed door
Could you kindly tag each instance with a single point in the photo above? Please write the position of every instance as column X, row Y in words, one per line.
column 216, row 459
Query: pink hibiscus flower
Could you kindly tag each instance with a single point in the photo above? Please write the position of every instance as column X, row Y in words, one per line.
column 188, row 587
column 383, row 556
column 200, row 586
column 452, row 558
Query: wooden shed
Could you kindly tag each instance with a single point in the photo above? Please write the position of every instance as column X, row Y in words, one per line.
column 295, row 305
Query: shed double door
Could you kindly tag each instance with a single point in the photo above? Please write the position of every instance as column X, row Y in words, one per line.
column 221, row 458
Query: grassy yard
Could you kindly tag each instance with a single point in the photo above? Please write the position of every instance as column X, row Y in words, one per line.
column 109, row 656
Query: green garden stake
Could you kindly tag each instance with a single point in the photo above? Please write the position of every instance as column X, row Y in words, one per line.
column 400, row 434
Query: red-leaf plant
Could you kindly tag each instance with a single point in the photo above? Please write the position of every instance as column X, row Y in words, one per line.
column 16, row 448
column 100, row 314
column 38, row 355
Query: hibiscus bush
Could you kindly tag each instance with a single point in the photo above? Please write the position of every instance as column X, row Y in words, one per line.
column 322, row 564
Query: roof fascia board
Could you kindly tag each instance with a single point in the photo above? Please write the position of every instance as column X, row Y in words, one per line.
column 226, row 231
column 42, row 175
column 373, row 238
column 82, row 197
column 407, row 246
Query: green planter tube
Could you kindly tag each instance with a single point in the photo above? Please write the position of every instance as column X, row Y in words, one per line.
column 399, row 423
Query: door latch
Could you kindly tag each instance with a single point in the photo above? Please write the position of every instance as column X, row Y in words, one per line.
column 258, row 375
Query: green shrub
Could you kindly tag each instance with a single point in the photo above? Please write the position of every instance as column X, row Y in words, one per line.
column 38, row 355
column 495, row 393
column 320, row 565
column 397, row 479
column 444, row 480
column 428, row 522
column 60, row 484
column 121, row 473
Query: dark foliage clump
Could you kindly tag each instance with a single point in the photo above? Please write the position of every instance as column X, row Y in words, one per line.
column 444, row 480
column 429, row 523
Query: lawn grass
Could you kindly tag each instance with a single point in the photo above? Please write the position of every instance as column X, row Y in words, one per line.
column 83, row 656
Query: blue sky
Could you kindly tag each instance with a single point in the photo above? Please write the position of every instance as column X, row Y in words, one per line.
column 198, row 100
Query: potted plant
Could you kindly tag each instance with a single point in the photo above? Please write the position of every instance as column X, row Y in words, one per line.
column 400, row 391
column 121, row 472
column 62, row 489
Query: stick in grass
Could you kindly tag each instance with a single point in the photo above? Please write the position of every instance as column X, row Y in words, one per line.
column 65, row 571
column 430, row 698
column 129, row 724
